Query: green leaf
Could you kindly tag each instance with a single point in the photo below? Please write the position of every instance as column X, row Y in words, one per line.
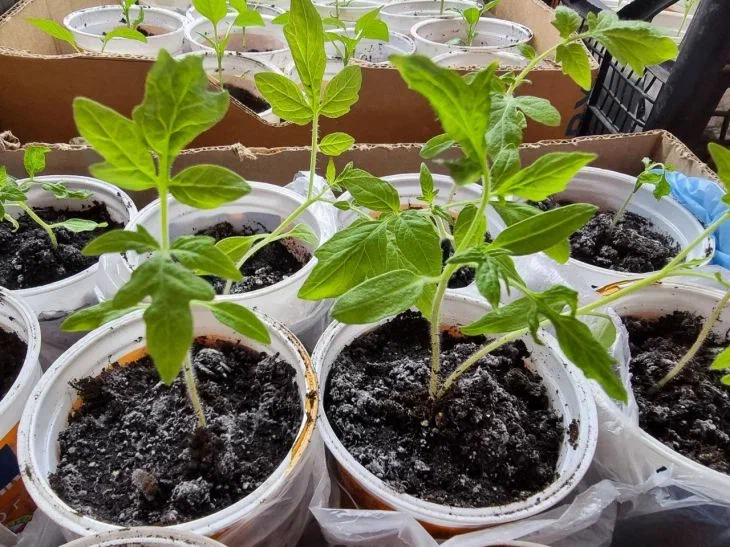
column 370, row 27
column 539, row 109
column 305, row 36
column 587, row 353
column 208, row 186
column 302, row 232
column 546, row 176
column 240, row 319
column 169, row 335
column 527, row 51
column 487, row 281
column 721, row 157
column 56, row 30
column 634, row 43
column 463, row 108
column 125, row 33
column 725, row 380
column 128, row 162
column 199, row 253
column 542, row 231
column 284, row 96
column 331, row 173
column 506, row 123
column 281, row 19
column 120, row 241
column 10, row 191
column 471, row 15
column 437, row 146
column 61, row 191
column 513, row 212
column 463, row 170
column 574, row 62
column 603, row 329
column 178, row 105
column 426, row 180
column 722, row 360
column 250, row 18
column 506, row 163
column 77, row 225
column 382, row 296
column 34, row 159
column 351, row 256
column 341, row 92
column 508, row 318
column 94, row 317
column 418, row 243
column 466, row 218
column 336, row 144
column 566, row 21
column 236, row 247
column 213, row 10
column 370, row 191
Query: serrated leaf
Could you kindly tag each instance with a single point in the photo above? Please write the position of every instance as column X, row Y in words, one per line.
column 370, row 191
column 208, row 186
column 506, row 163
column 574, row 62
column 418, row 243
column 120, row 241
column 336, row 144
column 240, row 319
column 566, row 21
column 546, row 176
column 284, row 96
column 506, row 122
column 200, row 254
column 436, row 146
column 539, row 109
column 341, row 92
column 382, row 296
column 34, row 159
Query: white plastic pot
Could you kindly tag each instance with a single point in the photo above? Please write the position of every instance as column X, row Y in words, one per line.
column 608, row 190
column 267, row 204
column 378, row 52
column 178, row 6
column 238, row 70
column 47, row 411
column 403, row 16
column 268, row 10
column 638, row 456
column 16, row 506
column 53, row 302
column 144, row 536
column 569, row 394
column 433, row 36
column 268, row 42
column 88, row 26
column 465, row 59
column 349, row 13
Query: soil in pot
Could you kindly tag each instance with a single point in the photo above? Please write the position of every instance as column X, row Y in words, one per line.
column 27, row 257
column 691, row 414
column 270, row 265
column 131, row 454
column 633, row 245
column 493, row 439
column 248, row 99
column 12, row 358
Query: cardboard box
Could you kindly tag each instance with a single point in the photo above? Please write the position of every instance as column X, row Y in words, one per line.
column 620, row 152
column 40, row 78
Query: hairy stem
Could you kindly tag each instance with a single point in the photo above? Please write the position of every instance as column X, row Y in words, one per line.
column 192, row 389
column 162, row 184
column 38, row 220
column 313, row 153
column 622, row 210
column 687, row 357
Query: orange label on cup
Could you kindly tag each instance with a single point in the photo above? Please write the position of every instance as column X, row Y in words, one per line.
column 16, row 506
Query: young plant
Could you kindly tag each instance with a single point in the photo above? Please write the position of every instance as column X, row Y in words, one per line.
column 13, row 193
column 379, row 267
column 246, row 18
column 303, row 105
column 471, row 17
column 139, row 154
column 654, row 174
column 367, row 27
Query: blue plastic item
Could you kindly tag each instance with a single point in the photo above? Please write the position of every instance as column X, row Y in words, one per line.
column 703, row 198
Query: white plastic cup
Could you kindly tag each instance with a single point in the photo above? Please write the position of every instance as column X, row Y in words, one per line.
column 178, row 6
column 608, row 190
column 628, row 454
column 268, row 11
column 403, row 16
column 269, row 41
column 433, row 36
column 349, row 13
column 47, row 411
column 144, row 536
column 479, row 59
column 16, row 316
column 55, row 301
column 378, row 52
column 239, row 70
column 88, row 25
column 267, row 204
column 567, row 389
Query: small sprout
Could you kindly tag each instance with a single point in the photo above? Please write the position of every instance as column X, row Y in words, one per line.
column 471, row 18
column 367, row 27
column 654, row 174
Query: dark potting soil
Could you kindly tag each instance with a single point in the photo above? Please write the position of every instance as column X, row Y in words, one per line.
column 464, row 275
column 271, row 264
column 691, row 414
column 633, row 245
column 27, row 257
column 12, row 357
column 248, row 99
column 131, row 454
column 493, row 439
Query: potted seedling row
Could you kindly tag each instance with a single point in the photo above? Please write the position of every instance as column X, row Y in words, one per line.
column 47, row 221
column 403, row 16
column 20, row 337
column 348, row 11
column 147, row 536
column 236, row 386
